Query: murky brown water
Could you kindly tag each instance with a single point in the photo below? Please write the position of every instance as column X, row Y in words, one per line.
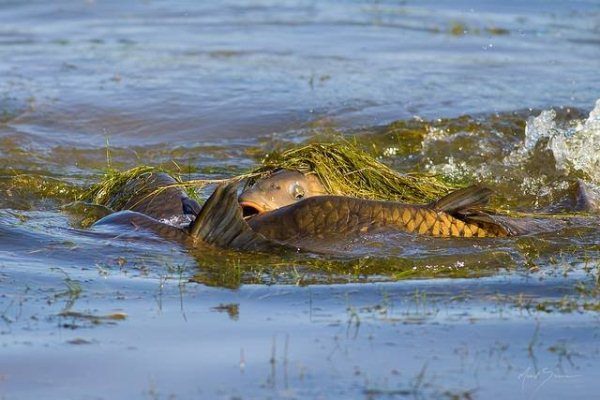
column 503, row 93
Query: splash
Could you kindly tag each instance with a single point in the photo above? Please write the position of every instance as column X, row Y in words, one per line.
column 576, row 148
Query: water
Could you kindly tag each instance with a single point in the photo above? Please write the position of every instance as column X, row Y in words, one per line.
column 207, row 89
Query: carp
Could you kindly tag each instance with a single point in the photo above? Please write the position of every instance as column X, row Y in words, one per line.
column 224, row 222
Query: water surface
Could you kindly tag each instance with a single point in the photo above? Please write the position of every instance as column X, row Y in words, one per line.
column 502, row 93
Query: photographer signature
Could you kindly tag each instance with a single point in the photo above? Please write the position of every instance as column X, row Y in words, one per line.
column 542, row 376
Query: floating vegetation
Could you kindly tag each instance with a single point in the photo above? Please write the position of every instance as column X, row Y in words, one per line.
column 231, row 269
column 345, row 169
column 342, row 167
column 117, row 189
column 75, row 318
column 39, row 187
column 458, row 28
column 108, row 191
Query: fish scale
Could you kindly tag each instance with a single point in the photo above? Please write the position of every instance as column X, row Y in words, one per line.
column 415, row 219
column 337, row 214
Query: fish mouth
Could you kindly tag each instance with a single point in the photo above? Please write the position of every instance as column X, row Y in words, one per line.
column 250, row 209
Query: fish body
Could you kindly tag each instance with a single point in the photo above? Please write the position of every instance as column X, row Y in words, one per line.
column 456, row 215
column 325, row 215
column 136, row 221
column 586, row 199
column 319, row 218
column 221, row 222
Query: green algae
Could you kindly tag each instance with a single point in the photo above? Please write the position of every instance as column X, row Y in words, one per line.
column 230, row 269
column 107, row 191
column 24, row 189
column 346, row 169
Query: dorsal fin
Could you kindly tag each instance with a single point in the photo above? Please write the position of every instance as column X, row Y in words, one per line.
column 220, row 223
column 462, row 199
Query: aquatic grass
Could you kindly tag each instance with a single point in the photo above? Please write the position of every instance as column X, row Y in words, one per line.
column 342, row 167
column 228, row 268
column 345, row 169
column 112, row 183
column 114, row 190
column 41, row 186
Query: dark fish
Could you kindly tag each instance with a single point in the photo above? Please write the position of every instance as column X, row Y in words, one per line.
column 585, row 199
column 153, row 194
column 219, row 223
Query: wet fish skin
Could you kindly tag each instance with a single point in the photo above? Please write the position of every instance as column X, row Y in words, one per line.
column 152, row 194
column 281, row 188
column 220, row 222
column 324, row 215
column 138, row 221
column 585, row 199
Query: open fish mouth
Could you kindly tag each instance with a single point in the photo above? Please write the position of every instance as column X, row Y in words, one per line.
column 250, row 209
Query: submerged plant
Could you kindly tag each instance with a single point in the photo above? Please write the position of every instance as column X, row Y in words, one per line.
column 40, row 186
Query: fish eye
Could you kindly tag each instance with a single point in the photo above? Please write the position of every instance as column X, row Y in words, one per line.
column 297, row 191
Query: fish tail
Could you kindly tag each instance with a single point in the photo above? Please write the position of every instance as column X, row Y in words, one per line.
column 464, row 206
column 220, row 222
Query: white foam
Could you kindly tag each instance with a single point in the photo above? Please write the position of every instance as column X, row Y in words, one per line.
column 576, row 148
column 539, row 127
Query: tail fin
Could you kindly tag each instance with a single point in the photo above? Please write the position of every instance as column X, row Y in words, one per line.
column 465, row 204
column 462, row 199
column 220, row 223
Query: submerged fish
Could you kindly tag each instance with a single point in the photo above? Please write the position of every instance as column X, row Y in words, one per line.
column 585, row 199
column 219, row 222
column 153, row 194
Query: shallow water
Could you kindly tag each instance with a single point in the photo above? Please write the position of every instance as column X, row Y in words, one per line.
column 503, row 93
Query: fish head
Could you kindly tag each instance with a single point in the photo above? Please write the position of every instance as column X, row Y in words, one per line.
column 281, row 188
